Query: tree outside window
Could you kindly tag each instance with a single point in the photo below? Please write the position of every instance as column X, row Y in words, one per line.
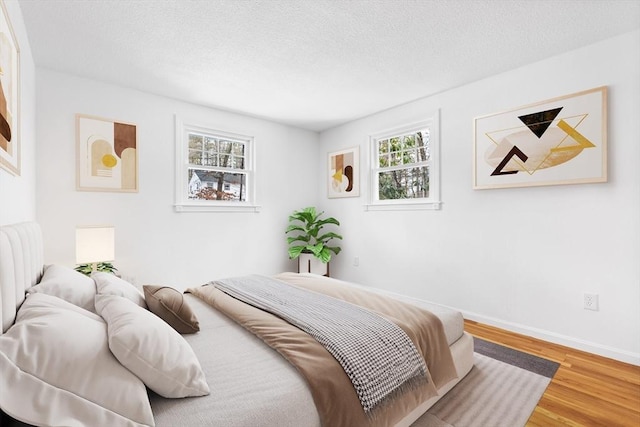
column 404, row 172
column 213, row 170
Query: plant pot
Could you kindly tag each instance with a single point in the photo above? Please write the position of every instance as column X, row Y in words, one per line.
column 307, row 263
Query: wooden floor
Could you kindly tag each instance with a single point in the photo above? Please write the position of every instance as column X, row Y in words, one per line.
column 587, row 390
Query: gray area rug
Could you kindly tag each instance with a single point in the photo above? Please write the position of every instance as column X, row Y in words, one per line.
column 502, row 389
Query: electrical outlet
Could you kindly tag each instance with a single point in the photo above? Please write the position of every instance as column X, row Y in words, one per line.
column 591, row 301
column 356, row 261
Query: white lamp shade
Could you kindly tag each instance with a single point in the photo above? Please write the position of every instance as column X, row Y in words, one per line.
column 95, row 244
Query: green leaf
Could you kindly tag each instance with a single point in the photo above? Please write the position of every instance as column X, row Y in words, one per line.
column 313, row 231
column 306, row 215
column 335, row 249
column 328, row 236
column 295, row 251
column 316, row 249
column 85, row 269
column 324, row 255
column 295, row 227
column 106, row 267
column 305, row 239
column 328, row 221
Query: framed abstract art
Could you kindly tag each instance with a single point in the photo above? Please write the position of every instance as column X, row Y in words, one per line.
column 9, row 96
column 344, row 173
column 558, row 141
column 107, row 155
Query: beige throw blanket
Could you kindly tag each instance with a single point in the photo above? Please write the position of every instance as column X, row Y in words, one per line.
column 335, row 398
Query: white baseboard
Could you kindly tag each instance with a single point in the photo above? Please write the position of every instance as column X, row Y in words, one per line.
column 591, row 347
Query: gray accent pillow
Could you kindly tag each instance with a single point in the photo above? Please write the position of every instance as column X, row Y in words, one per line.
column 169, row 304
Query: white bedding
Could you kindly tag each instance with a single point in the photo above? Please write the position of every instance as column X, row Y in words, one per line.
column 250, row 384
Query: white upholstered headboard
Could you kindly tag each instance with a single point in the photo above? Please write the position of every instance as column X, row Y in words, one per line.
column 21, row 266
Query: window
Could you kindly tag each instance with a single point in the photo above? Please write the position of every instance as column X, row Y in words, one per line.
column 213, row 170
column 404, row 167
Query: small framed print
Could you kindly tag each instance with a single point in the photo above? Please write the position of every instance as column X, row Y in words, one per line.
column 344, row 173
column 107, row 155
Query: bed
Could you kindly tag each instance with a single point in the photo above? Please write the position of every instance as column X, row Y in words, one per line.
column 241, row 381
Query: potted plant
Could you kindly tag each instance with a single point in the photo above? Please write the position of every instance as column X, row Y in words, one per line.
column 87, row 269
column 309, row 243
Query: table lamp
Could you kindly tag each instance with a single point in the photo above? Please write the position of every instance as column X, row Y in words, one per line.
column 95, row 244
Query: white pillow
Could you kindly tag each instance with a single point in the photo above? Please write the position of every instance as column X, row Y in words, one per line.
column 108, row 284
column 56, row 369
column 151, row 349
column 63, row 282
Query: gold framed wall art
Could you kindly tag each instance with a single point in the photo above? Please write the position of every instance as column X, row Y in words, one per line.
column 558, row 141
column 107, row 155
column 9, row 96
column 344, row 173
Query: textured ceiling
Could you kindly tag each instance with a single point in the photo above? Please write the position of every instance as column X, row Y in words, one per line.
column 310, row 63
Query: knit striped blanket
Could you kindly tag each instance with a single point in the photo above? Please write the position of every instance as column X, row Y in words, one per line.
column 377, row 355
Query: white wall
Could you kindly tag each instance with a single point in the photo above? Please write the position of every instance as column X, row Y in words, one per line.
column 154, row 244
column 18, row 193
column 516, row 258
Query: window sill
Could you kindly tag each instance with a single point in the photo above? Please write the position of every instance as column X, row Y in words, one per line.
column 180, row 208
column 425, row 206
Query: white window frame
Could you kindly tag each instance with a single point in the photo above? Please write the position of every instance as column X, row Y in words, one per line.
column 432, row 202
column 182, row 201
